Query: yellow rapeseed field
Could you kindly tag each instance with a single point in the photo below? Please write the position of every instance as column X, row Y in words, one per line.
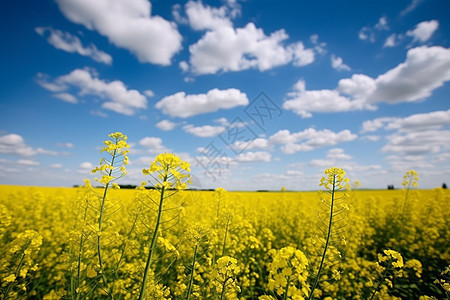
column 169, row 242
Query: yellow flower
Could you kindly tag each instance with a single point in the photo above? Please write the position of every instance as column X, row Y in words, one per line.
column 10, row 278
column 335, row 179
column 171, row 171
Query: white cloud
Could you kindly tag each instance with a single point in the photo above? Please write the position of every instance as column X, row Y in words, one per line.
column 303, row 102
column 366, row 34
column 229, row 49
column 375, row 124
column 184, row 66
column 371, row 138
column 27, row 162
column 294, row 173
column 14, row 144
column 65, row 145
column 258, row 143
column 418, row 142
column 338, row 154
column 319, row 47
column 149, row 93
column 56, row 166
column 312, row 139
column 254, row 157
column 423, row 31
column 222, row 121
column 338, row 64
column 66, row 97
column 411, row 7
column 153, row 144
column 204, row 17
column 382, row 24
column 166, row 125
column 203, row 131
column 391, row 40
column 424, row 70
column 86, row 165
column 184, row 106
column 118, row 97
column 424, row 121
column 359, row 86
column 72, row 44
column 127, row 24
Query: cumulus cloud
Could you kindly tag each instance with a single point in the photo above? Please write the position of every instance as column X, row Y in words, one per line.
column 166, row 125
column 418, row 142
column 72, row 44
column 203, row 17
column 258, row 143
column 338, row 64
column 225, row 48
column 66, row 97
column 423, row 121
column 229, row 49
column 382, row 24
column 367, row 33
column 184, row 106
column 417, row 134
column 254, row 157
column 115, row 94
column 127, row 24
column 424, row 70
column 423, row 31
column 392, row 40
column 309, row 139
column 14, row 144
column 203, row 131
column 375, row 124
column 304, row 102
column 153, row 145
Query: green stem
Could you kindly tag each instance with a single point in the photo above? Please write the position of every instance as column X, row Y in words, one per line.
column 327, row 241
column 225, row 238
column 223, row 289
column 191, row 280
column 16, row 273
column 379, row 284
column 404, row 204
column 287, row 288
column 153, row 243
column 99, row 248
column 80, row 249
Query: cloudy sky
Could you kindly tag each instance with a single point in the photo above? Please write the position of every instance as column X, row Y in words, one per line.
column 255, row 94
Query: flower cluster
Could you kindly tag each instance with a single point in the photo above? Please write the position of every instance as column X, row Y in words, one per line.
column 335, row 179
column 226, row 270
column 410, row 179
column 171, row 171
column 113, row 167
column 287, row 270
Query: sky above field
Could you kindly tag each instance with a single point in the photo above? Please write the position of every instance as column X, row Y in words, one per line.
column 254, row 94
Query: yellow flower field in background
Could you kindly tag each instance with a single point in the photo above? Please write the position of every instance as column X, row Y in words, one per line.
column 236, row 239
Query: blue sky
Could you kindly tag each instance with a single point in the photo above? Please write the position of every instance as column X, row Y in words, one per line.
column 254, row 94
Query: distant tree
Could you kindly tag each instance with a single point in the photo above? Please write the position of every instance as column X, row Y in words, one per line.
column 444, row 186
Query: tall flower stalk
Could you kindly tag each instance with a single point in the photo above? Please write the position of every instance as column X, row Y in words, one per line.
column 334, row 181
column 170, row 175
column 409, row 180
column 111, row 167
